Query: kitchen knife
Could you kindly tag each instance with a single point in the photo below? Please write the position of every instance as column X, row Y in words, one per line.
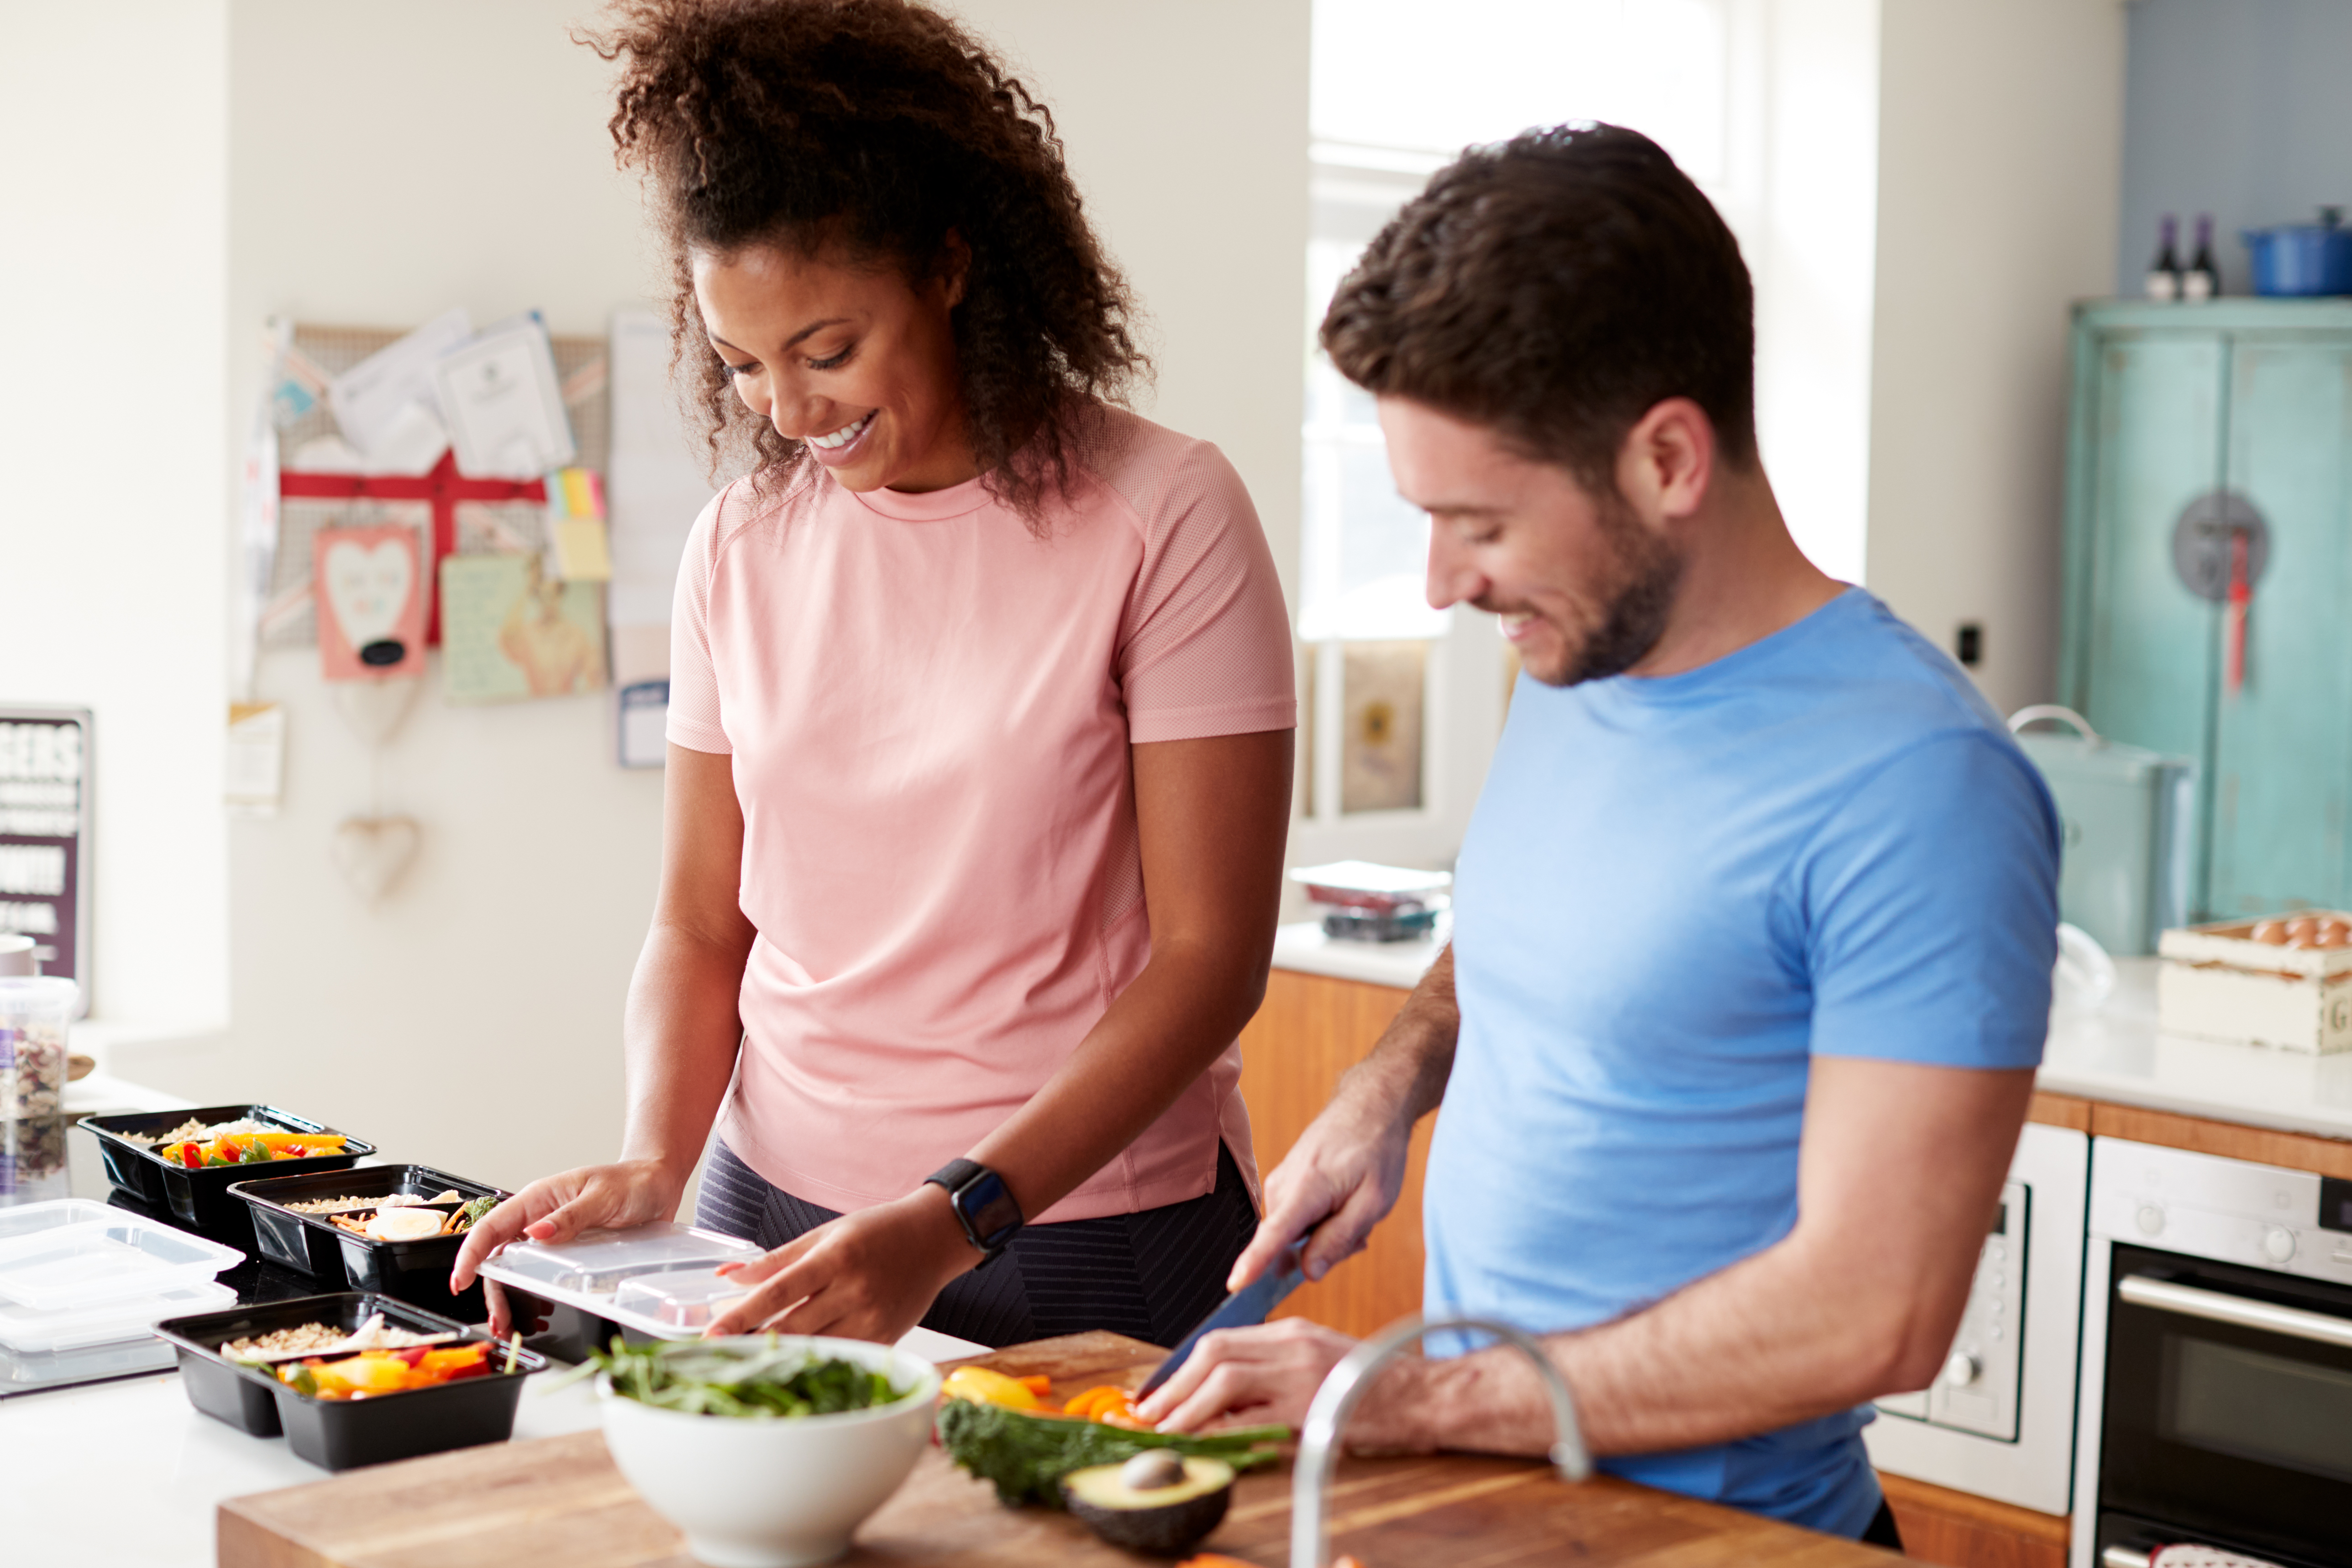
column 1245, row 1306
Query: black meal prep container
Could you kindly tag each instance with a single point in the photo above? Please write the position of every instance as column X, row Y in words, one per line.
column 415, row 1272
column 344, row 1434
column 200, row 1198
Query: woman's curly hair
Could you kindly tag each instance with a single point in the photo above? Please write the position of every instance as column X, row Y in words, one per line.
column 884, row 127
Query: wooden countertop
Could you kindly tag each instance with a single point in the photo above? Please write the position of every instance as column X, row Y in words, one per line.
column 561, row 1503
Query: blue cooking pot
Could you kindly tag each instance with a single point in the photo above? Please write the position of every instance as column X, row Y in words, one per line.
column 2302, row 258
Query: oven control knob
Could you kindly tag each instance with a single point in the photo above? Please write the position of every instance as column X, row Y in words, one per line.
column 2150, row 1219
column 2278, row 1244
column 1961, row 1369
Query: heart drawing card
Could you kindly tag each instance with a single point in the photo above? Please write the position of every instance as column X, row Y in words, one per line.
column 370, row 589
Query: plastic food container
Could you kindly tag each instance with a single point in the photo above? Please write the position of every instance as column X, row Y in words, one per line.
column 592, row 1269
column 200, row 1198
column 30, row 1332
column 59, row 1267
column 33, row 1162
column 415, row 1272
column 686, row 1300
column 343, row 1434
column 34, row 1012
column 36, row 1369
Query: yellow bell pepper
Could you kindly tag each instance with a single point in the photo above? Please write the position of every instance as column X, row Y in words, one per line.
column 982, row 1386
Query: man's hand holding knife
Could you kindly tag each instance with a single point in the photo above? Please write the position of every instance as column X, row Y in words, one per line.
column 1339, row 1180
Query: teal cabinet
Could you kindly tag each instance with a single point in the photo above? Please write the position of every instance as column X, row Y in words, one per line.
column 2233, row 415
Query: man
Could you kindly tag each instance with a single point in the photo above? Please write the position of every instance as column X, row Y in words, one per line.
column 1754, row 920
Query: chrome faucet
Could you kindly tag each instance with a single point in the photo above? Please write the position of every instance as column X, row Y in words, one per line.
column 1318, row 1443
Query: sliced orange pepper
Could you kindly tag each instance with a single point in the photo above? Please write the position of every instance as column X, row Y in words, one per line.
column 1038, row 1384
column 1088, row 1402
column 1114, row 1406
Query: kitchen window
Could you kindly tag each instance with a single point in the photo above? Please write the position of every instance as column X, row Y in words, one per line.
column 1401, row 704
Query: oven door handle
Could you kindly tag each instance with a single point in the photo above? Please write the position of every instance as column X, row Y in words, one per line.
column 2163, row 1296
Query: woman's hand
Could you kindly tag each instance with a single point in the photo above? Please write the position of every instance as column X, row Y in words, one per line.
column 558, row 1207
column 869, row 1275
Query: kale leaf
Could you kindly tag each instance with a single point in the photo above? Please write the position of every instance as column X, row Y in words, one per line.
column 1026, row 1456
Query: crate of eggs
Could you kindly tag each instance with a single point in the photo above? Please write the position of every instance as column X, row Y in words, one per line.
column 2284, row 981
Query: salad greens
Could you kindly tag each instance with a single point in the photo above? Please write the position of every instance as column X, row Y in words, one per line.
column 756, row 1382
column 1026, row 1456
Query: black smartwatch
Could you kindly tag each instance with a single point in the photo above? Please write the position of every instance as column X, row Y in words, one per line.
column 983, row 1206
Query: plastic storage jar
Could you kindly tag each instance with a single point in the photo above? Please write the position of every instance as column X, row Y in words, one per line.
column 34, row 1012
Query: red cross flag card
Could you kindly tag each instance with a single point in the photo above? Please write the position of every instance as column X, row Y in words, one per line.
column 369, row 587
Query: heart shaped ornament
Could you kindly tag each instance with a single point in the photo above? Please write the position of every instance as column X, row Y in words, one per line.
column 368, row 587
column 372, row 852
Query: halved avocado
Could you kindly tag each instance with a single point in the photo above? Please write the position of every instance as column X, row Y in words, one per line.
column 1161, row 1513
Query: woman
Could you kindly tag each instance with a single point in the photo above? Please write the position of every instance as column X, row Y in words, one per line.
column 971, row 664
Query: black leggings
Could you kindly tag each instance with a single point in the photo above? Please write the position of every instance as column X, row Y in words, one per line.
column 1153, row 1276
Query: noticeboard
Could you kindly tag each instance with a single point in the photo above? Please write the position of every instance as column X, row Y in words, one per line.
column 44, row 838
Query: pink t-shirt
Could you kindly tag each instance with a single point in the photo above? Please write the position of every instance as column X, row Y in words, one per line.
column 929, row 709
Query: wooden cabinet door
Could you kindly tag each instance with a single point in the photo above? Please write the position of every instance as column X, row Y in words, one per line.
column 1310, row 1030
column 2282, row 743
column 2142, row 663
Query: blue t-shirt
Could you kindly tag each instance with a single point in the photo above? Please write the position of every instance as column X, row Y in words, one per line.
column 1674, row 893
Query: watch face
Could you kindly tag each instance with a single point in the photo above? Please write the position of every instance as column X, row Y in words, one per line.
column 991, row 1216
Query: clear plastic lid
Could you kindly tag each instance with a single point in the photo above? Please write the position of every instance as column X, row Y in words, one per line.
column 683, row 1299
column 654, row 1278
column 25, row 1219
column 595, row 1262
column 123, row 1254
column 131, row 1317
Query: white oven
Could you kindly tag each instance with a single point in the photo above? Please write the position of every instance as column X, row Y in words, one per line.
column 2217, row 1378
column 1998, row 1421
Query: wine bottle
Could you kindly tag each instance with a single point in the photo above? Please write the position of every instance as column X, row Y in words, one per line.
column 2203, row 279
column 2164, row 271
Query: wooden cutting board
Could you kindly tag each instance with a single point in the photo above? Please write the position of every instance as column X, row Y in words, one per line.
column 560, row 1502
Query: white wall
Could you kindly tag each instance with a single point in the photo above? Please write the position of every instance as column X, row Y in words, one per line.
column 1186, row 127
column 389, row 162
column 113, row 462
column 2000, row 127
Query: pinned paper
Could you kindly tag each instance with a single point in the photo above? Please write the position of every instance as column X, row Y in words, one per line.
column 255, row 773
column 373, row 400
column 575, row 527
column 498, row 395
column 511, row 631
column 645, row 725
column 369, row 586
column 657, row 488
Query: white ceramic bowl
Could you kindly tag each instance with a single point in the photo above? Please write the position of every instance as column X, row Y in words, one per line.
column 774, row 1494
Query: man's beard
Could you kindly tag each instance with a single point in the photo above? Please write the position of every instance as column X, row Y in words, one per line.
column 1644, row 572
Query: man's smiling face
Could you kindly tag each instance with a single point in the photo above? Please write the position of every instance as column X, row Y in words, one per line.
column 1582, row 587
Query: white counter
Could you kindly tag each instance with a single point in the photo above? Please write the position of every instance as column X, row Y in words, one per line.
column 127, row 1475
column 2115, row 1054
column 1305, row 948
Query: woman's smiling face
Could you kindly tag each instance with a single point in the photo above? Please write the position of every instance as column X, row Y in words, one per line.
column 852, row 361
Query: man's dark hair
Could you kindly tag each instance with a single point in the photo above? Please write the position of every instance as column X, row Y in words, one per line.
column 1555, row 287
